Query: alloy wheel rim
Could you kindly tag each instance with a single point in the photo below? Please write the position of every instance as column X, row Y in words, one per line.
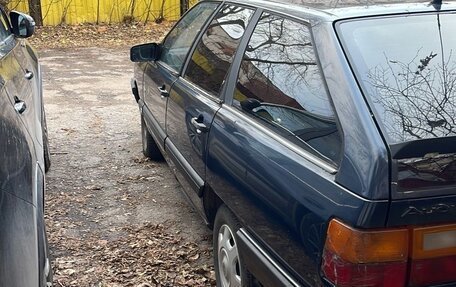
column 228, row 258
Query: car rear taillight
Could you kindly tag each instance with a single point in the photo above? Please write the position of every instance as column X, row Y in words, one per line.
column 365, row 258
column 390, row 257
column 433, row 256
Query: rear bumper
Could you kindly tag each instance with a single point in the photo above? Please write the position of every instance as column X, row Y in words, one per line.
column 261, row 265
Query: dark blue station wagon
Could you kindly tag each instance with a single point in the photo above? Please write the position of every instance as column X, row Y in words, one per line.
column 320, row 145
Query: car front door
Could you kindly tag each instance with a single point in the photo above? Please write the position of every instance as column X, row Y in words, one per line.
column 21, row 75
column 28, row 87
column 160, row 75
column 196, row 97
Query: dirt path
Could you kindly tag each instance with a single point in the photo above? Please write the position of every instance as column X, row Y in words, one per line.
column 113, row 218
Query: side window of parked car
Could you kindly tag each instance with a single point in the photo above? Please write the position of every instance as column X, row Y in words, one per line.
column 215, row 51
column 179, row 41
column 4, row 27
column 281, row 86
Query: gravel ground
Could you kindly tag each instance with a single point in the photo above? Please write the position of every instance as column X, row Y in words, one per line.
column 113, row 217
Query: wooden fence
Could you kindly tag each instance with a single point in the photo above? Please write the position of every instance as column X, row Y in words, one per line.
column 57, row 12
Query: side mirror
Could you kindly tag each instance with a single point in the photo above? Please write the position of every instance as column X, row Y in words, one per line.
column 23, row 24
column 145, row 52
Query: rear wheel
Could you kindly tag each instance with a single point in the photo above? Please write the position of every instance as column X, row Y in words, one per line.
column 229, row 269
column 150, row 147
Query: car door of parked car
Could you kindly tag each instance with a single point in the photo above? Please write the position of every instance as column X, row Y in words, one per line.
column 274, row 148
column 18, row 248
column 160, row 75
column 196, row 97
column 30, row 90
column 20, row 89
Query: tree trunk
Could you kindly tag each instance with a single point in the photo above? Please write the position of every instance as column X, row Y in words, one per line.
column 183, row 6
column 35, row 11
column 4, row 4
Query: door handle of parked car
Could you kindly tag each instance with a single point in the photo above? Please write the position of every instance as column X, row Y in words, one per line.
column 19, row 105
column 28, row 74
column 163, row 92
column 197, row 122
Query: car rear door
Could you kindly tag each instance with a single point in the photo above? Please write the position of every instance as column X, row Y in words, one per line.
column 196, row 97
column 160, row 75
column 275, row 146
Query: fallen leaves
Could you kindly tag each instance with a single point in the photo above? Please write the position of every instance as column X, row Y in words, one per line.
column 103, row 35
column 147, row 255
column 113, row 217
column 133, row 255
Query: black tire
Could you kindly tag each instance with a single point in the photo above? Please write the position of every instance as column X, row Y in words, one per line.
column 46, row 151
column 150, row 147
column 225, row 246
column 47, row 154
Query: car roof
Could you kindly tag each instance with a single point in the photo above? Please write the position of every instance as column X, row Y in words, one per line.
column 332, row 10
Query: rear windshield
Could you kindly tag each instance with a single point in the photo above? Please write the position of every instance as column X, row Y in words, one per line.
column 406, row 66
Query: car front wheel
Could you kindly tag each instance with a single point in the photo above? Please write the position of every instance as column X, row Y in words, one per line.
column 150, row 147
column 229, row 269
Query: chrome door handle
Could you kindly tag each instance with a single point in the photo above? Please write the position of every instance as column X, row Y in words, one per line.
column 19, row 105
column 28, row 74
column 197, row 122
column 163, row 92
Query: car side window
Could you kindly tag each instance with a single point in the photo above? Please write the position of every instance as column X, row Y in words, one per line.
column 180, row 39
column 4, row 26
column 280, row 85
column 215, row 51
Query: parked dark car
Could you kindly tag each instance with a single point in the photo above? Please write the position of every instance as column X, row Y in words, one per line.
column 320, row 145
column 24, row 158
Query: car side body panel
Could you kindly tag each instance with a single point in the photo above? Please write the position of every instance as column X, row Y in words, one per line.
column 18, row 213
column 283, row 200
column 22, row 239
column 18, row 242
column 364, row 168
